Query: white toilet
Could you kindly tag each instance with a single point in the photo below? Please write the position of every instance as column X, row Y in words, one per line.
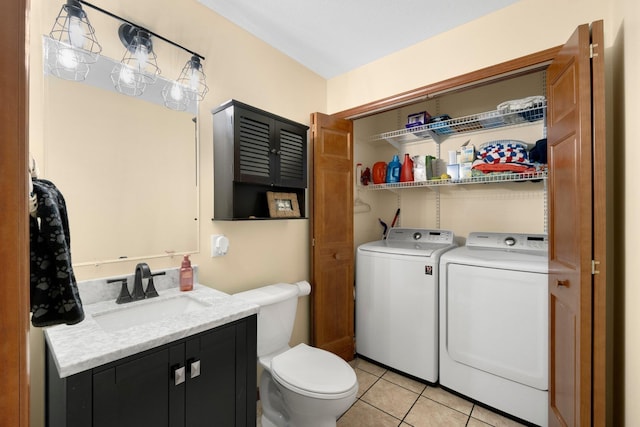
column 301, row 386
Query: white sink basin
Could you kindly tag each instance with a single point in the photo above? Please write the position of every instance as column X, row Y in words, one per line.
column 136, row 313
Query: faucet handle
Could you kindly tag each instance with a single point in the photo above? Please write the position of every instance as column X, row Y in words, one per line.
column 151, row 292
column 124, row 296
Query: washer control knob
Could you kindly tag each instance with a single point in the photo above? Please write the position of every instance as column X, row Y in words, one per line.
column 509, row 241
column 417, row 235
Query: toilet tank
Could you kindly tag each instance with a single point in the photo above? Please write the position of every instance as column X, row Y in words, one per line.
column 278, row 304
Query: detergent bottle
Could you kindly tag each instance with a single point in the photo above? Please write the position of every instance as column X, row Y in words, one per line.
column 393, row 170
column 406, row 172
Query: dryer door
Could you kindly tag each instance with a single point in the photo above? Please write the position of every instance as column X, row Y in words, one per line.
column 497, row 321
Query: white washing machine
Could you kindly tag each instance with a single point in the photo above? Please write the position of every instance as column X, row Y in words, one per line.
column 397, row 300
column 494, row 322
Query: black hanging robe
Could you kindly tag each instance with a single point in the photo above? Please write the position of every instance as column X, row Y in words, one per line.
column 54, row 293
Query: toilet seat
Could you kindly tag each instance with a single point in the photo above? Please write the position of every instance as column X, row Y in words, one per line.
column 315, row 373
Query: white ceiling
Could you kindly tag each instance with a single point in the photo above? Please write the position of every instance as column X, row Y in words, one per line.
column 332, row 37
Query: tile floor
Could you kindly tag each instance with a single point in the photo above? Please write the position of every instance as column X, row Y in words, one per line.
column 386, row 398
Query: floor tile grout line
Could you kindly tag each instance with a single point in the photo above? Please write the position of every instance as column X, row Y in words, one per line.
column 401, row 386
column 381, row 410
column 414, row 404
column 397, row 385
column 372, row 373
column 420, row 394
column 450, row 407
column 369, row 388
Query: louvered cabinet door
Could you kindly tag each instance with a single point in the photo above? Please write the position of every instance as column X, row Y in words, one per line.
column 255, row 150
column 290, row 154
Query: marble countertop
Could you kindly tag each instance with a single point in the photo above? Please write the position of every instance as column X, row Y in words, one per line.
column 87, row 345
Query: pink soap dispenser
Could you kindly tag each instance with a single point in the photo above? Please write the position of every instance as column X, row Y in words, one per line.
column 186, row 274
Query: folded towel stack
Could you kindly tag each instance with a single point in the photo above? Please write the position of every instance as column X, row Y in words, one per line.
column 503, row 153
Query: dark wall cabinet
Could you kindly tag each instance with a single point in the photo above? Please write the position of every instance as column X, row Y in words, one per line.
column 255, row 152
column 205, row 380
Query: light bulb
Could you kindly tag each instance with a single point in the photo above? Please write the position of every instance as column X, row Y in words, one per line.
column 142, row 56
column 67, row 58
column 76, row 32
column 177, row 92
column 194, row 80
column 126, row 75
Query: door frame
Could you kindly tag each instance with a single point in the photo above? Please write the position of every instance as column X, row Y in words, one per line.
column 14, row 227
column 519, row 66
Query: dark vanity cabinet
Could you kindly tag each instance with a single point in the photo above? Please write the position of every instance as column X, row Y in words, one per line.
column 255, row 152
column 208, row 379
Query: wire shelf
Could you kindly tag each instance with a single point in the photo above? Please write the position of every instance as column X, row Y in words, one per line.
column 473, row 123
column 489, row 178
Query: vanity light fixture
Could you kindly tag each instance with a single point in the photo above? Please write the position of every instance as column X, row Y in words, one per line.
column 78, row 46
column 139, row 66
column 191, row 85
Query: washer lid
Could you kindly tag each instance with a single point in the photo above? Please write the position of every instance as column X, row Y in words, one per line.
column 412, row 241
column 313, row 371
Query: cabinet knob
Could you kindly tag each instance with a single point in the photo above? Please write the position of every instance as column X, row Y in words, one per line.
column 178, row 374
column 194, row 368
column 564, row 283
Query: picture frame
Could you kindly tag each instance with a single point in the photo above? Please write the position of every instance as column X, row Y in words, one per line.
column 283, row 205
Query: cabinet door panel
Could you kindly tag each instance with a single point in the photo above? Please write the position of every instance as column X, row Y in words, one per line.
column 133, row 394
column 291, row 153
column 253, row 158
column 211, row 396
column 176, row 392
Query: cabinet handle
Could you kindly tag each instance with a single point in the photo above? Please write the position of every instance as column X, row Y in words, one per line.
column 178, row 374
column 194, row 368
column 564, row 283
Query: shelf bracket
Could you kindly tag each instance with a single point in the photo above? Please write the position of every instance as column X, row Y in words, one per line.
column 393, row 143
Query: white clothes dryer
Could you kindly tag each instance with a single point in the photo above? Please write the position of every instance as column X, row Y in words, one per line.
column 397, row 300
column 494, row 322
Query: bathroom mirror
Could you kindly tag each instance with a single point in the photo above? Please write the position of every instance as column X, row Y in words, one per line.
column 126, row 166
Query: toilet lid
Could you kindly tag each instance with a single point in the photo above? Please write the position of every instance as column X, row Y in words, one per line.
column 314, row 371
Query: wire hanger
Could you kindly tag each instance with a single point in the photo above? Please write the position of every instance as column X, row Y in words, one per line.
column 359, row 206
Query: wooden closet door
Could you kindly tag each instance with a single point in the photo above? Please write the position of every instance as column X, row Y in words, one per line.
column 332, row 256
column 14, row 226
column 572, row 222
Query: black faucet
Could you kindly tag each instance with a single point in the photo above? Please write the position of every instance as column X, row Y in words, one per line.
column 142, row 272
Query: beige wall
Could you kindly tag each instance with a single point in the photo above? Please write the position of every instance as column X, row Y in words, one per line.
column 237, row 66
column 525, row 27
